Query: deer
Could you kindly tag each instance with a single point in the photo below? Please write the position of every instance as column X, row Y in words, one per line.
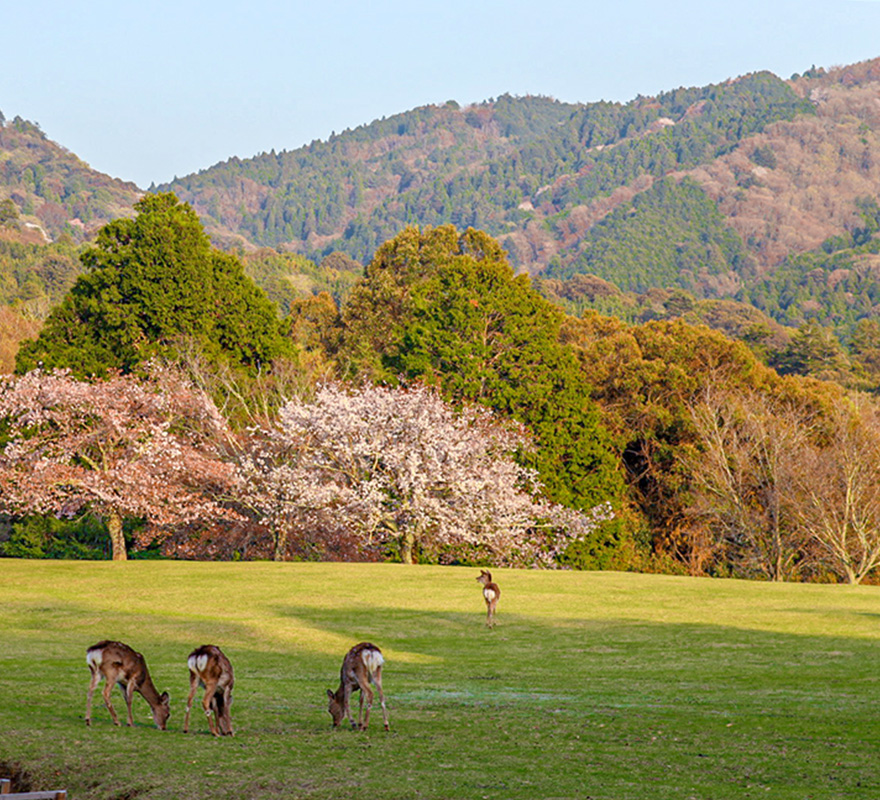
column 491, row 593
column 117, row 663
column 361, row 666
column 208, row 667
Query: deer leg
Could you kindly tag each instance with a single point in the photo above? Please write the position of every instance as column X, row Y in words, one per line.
column 226, row 717
column 93, row 683
column 129, row 695
column 210, row 705
column 108, row 687
column 367, row 692
column 346, row 703
column 193, row 686
column 377, row 681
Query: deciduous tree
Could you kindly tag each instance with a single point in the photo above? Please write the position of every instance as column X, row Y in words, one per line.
column 840, row 480
column 745, row 478
column 120, row 447
column 400, row 468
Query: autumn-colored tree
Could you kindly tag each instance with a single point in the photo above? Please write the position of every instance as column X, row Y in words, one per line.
column 647, row 379
column 401, row 468
column 124, row 447
column 745, row 479
column 840, row 483
column 644, row 378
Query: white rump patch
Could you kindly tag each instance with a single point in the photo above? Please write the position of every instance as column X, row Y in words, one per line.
column 489, row 594
column 94, row 658
column 372, row 660
column 197, row 663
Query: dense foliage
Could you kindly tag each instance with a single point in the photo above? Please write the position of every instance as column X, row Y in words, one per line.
column 153, row 283
column 834, row 285
column 445, row 307
column 671, row 235
column 34, row 277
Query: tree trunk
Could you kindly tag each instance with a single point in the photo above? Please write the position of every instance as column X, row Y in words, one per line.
column 117, row 540
column 407, row 543
column 280, row 545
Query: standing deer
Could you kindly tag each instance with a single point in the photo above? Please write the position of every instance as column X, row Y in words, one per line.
column 116, row 662
column 361, row 666
column 208, row 667
column 491, row 593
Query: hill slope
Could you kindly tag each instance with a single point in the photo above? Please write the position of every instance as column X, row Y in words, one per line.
column 757, row 190
column 515, row 166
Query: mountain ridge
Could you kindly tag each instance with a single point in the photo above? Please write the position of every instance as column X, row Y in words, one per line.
column 752, row 189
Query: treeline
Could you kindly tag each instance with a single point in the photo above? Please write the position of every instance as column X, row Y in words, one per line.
column 710, row 461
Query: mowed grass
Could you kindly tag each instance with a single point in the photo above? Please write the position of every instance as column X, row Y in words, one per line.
column 593, row 685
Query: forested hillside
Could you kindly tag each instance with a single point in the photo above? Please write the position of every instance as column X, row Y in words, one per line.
column 51, row 190
column 750, row 205
column 510, row 166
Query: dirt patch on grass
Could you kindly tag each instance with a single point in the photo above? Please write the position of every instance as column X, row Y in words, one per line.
column 20, row 777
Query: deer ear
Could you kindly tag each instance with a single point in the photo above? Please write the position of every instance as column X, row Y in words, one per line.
column 329, row 694
column 164, row 697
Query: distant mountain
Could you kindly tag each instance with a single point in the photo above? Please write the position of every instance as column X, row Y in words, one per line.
column 53, row 191
column 518, row 167
column 757, row 190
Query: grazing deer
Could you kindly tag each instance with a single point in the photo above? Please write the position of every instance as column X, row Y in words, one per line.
column 116, row 662
column 361, row 666
column 208, row 667
column 491, row 593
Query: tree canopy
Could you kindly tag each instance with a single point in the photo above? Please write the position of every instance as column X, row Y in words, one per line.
column 153, row 283
column 446, row 308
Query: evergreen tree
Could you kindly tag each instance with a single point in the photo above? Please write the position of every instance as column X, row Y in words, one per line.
column 152, row 283
column 445, row 307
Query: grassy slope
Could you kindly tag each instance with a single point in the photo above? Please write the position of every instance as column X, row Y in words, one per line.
column 596, row 685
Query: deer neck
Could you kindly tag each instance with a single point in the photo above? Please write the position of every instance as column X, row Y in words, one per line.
column 149, row 692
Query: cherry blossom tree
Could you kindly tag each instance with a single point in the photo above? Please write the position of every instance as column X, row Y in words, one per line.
column 124, row 447
column 402, row 468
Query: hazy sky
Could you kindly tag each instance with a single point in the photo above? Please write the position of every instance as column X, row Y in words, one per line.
column 152, row 89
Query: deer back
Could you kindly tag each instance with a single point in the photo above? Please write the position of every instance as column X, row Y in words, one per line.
column 117, row 662
column 210, row 664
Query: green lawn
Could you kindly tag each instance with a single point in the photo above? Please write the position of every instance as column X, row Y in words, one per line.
column 593, row 685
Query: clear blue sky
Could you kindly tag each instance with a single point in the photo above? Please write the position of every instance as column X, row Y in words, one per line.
column 151, row 89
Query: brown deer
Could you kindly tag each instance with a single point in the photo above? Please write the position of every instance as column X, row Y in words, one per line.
column 491, row 593
column 208, row 667
column 361, row 666
column 116, row 662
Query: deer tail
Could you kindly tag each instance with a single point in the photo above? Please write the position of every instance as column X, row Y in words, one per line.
column 372, row 659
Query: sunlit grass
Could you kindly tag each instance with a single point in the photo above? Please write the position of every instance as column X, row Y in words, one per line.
column 593, row 685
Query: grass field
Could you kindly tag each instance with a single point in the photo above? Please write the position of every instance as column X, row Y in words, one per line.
column 593, row 685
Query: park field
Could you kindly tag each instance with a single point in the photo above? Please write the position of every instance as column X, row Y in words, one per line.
column 596, row 685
